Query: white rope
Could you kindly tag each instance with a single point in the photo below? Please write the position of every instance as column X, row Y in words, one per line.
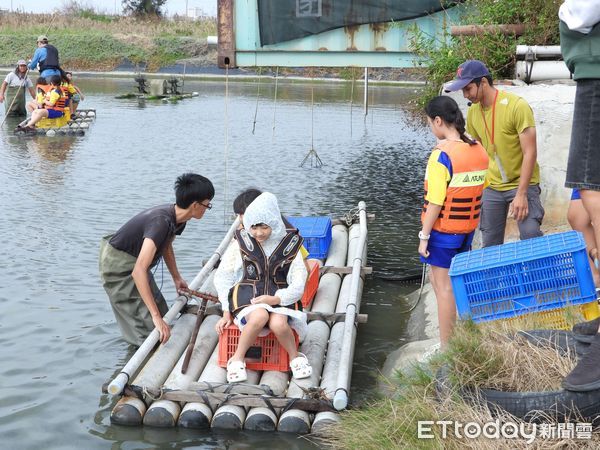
column 226, row 143
column 257, row 97
column 352, row 99
column 275, row 100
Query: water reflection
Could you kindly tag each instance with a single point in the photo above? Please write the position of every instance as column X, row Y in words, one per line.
column 64, row 343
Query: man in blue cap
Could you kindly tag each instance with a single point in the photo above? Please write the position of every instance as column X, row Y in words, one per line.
column 503, row 122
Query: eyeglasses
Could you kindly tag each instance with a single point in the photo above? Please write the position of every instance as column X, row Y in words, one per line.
column 209, row 206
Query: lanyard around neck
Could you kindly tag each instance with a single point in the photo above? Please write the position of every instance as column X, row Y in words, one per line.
column 487, row 130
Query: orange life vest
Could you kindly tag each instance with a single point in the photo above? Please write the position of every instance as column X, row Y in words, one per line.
column 60, row 103
column 461, row 208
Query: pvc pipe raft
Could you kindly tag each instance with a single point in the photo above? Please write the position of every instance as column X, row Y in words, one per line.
column 232, row 417
column 133, row 365
column 199, row 415
column 156, row 370
column 164, row 413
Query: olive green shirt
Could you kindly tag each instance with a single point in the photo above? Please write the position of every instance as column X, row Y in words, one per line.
column 513, row 116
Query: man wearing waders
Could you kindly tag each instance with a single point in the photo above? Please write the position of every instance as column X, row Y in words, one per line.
column 46, row 56
column 127, row 257
column 16, row 82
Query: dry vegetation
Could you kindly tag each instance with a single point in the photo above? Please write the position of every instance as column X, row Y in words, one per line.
column 95, row 41
column 491, row 356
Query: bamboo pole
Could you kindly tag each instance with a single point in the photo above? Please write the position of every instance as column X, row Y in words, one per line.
column 340, row 399
column 476, row 30
column 116, row 386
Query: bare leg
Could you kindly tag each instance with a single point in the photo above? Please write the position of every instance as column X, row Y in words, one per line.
column 255, row 322
column 445, row 301
column 580, row 221
column 591, row 203
column 36, row 116
column 278, row 323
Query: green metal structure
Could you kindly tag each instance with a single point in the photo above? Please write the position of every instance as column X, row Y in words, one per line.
column 369, row 45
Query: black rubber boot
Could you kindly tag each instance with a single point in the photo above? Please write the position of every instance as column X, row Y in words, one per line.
column 586, row 374
column 587, row 328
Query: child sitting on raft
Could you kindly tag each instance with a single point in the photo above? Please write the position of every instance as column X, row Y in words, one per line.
column 40, row 92
column 255, row 301
column 52, row 106
column 454, row 181
column 75, row 93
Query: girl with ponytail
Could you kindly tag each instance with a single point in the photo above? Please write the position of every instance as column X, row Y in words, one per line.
column 454, row 181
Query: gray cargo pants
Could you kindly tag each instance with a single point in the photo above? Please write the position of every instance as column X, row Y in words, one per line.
column 133, row 317
column 494, row 209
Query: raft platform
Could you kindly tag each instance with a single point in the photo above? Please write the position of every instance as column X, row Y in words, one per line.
column 72, row 125
column 155, row 393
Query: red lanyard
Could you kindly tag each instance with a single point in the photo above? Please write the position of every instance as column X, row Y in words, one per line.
column 487, row 130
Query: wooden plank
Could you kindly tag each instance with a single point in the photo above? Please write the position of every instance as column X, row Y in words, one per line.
column 335, row 317
column 344, row 270
column 246, row 400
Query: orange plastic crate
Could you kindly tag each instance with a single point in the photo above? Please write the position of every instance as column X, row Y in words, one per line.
column 312, row 283
column 265, row 354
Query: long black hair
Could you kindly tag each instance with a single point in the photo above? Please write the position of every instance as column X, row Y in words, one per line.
column 447, row 109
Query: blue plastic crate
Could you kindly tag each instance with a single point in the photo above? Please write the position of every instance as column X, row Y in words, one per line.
column 316, row 232
column 523, row 277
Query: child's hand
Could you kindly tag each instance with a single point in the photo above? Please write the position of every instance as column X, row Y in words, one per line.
column 423, row 248
column 223, row 322
column 266, row 299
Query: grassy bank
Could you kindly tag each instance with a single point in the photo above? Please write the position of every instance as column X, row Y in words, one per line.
column 101, row 42
column 477, row 357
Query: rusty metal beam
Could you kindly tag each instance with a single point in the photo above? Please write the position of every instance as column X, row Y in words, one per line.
column 226, row 34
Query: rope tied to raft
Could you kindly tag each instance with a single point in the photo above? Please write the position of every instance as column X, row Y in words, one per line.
column 148, row 394
column 350, row 217
column 420, row 291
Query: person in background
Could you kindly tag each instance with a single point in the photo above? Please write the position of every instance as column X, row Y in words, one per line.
column 264, row 288
column 127, row 256
column 580, row 46
column 45, row 59
column 454, row 181
column 77, row 95
column 503, row 122
column 17, row 79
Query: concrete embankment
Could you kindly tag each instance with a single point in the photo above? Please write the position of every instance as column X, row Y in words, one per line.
column 552, row 106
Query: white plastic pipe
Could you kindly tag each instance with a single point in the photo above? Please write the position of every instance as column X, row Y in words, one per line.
column 542, row 70
column 542, row 50
column 340, row 399
column 116, row 386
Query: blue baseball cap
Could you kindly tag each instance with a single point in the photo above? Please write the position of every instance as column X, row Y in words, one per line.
column 466, row 73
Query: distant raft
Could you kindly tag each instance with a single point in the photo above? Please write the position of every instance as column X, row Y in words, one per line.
column 154, row 391
column 69, row 125
column 170, row 90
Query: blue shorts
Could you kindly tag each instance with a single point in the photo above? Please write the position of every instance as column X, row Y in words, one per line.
column 55, row 114
column 575, row 195
column 443, row 247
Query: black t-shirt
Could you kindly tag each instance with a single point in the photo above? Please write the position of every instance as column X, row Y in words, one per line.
column 158, row 224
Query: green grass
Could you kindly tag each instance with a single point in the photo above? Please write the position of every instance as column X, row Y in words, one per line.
column 88, row 40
